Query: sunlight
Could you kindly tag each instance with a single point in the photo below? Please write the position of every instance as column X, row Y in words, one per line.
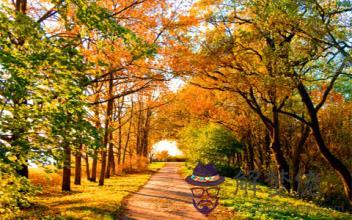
column 170, row 146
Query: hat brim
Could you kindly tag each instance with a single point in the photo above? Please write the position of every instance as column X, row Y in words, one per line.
column 195, row 183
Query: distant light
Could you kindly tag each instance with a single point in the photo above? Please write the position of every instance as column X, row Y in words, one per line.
column 175, row 84
column 170, row 146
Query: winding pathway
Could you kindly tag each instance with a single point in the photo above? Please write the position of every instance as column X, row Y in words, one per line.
column 165, row 196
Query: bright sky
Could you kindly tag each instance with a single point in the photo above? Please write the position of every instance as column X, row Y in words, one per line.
column 170, row 146
column 175, row 84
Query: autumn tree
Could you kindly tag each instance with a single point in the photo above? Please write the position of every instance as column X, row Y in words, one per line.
column 266, row 52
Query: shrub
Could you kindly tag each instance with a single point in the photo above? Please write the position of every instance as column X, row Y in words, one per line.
column 14, row 192
column 211, row 143
column 176, row 159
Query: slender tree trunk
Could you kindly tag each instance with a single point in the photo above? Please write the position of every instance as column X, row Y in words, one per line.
column 78, row 165
column 119, row 149
column 139, row 130
column 146, row 129
column 130, row 154
column 21, row 5
column 120, row 141
column 267, row 151
column 297, row 157
column 113, row 164
column 110, row 145
column 273, row 127
column 24, row 170
column 250, row 153
column 128, row 135
column 245, row 158
column 281, row 163
column 110, row 156
column 66, row 175
column 87, row 166
column 239, row 159
column 95, row 152
column 103, row 167
column 261, row 149
column 106, row 133
column 341, row 170
column 94, row 166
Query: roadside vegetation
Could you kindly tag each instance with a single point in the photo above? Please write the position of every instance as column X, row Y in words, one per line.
column 257, row 86
column 267, row 203
column 85, row 201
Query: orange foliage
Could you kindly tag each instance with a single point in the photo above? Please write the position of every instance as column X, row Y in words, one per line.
column 47, row 181
column 162, row 155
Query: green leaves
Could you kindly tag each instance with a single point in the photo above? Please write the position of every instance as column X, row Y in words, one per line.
column 208, row 143
column 96, row 17
column 41, row 81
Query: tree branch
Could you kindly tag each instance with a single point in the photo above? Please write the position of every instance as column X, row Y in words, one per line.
column 331, row 85
column 293, row 115
column 125, row 93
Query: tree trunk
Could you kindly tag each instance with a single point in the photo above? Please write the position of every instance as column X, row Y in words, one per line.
column 94, row 166
column 109, row 143
column 245, row 159
column 78, row 165
column 113, row 165
column 130, row 156
column 110, row 156
column 24, row 170
column 282, row 165
column 119, row 148
column 95, row 152
column 87, row 166
column 239, row 159
column 341, row 170
column 297, row 157
column 145, row 138
column 128, row 135
column 21, row 5
column 106, row 132
column 66, row 175
column 120, row 140
column 103, row 167
column 250, row 154
column 267, row 151
column 139, row 130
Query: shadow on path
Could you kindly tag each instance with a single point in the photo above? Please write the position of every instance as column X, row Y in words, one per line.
column 165, row 196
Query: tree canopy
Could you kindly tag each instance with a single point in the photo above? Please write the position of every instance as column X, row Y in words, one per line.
column 265, row 87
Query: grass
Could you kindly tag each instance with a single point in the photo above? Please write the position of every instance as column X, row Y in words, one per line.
column 87, row 201
column 268, row 205
column 155, row 166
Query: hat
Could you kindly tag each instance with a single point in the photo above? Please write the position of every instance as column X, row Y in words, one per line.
column 205, row 175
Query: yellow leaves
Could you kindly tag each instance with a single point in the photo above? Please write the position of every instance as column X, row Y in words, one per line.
column 87, row 198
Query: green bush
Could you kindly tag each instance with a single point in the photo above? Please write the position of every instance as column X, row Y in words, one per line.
column 228, row 171
column 176, row 159
column 15, row 192
column 210, row 143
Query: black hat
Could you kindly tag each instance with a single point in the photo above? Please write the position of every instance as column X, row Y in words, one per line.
column 205, row 175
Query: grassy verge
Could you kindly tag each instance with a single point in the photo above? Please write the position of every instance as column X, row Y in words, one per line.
column 155, row 166
column 267, row 204
column 87, row 201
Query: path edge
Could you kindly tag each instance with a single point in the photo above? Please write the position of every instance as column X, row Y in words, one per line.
column 122, row 208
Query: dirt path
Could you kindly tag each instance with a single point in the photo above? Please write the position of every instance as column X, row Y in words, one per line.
column 165, row 196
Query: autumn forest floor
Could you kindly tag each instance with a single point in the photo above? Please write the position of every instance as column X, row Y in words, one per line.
column 86, row 201
column 165, row 196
